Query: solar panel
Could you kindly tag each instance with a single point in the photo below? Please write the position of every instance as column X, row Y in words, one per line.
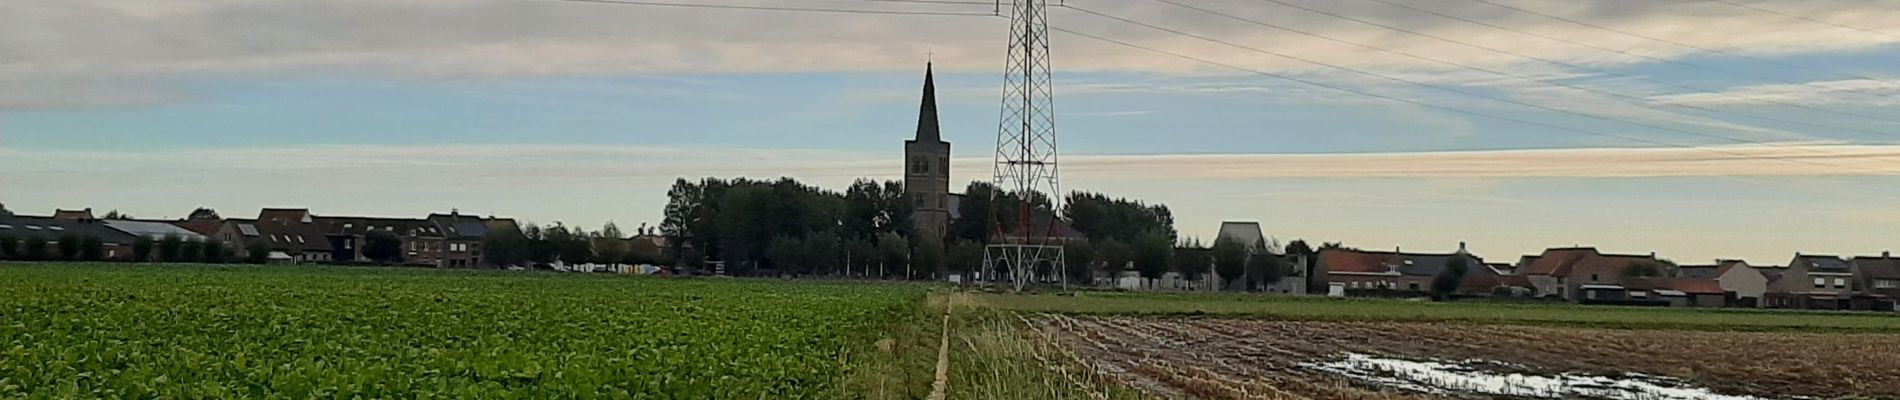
column 56, row 227
column 32, row 227
column 5, row 226
column 248, row 229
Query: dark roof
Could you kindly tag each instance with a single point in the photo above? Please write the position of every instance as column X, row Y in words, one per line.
column 1699, row 271
column 51, row 229
column 457, row 226
column 287, row 236
column 1820, row 263
column 284, row 214
column 1410, row 264
column 1883, row 267
column 927, row 130
column 353, row 226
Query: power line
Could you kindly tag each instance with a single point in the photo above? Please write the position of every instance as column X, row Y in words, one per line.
column 1675, row 43
column 958, row 2
column 1634, row 99
column 1577, row 66
column 1805, row 18
column 792, row 9
column 1424, row 104
column 1429, row 86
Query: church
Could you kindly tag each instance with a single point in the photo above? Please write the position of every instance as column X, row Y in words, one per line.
column 927, row 169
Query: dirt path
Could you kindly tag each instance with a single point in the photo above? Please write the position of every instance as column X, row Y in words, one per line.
column 942, row 384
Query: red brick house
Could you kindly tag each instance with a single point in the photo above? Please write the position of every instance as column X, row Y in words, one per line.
column 1564, row 272
column 1363, row 271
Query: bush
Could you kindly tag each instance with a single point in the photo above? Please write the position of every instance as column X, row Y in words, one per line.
column 142, row 249
column 258, row 253
column 69, row 247
column 170, row 249
column 9, row 248
column 34, row 250
column 383, row 247
column 92, row 249
column 215, row 252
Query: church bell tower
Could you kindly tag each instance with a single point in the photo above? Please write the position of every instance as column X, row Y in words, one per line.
column 927, row 169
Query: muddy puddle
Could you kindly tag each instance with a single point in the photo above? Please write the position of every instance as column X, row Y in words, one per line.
column 1485, row 378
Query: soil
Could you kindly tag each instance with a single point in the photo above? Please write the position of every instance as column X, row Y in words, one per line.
column 1261, row 359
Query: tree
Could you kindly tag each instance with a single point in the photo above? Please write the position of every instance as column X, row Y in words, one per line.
column 203, row 213
column 504, row 247
column 1445, row 284
column 142, row 249
column 892, row 251
column 1192, row 259
column 1078, row 257
column 786, row 254
column 4, row 212
column 965, row 256
column 610, row 244
column 191, row 250
column 1113, row 256
column 92, row 249
column 256, row 253
column 927, row 259
column 169, row 248
column 571, row 246
column 9, row 248
column 822, row 253
column 860, row 255
column 1153, row 252
column 34, row 250
column 1123, row 219
column 1642, row 268
column 215, row 252
column 1230, row 258
column 685, row 207
column 382, row 246
column 1265, row 269
column 69, row 247
column 116, row 215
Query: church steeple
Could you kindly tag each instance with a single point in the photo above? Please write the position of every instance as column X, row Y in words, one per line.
column 927, row 114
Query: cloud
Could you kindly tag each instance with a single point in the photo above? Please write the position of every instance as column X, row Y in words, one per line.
column 1863, row 92
column 130, row 51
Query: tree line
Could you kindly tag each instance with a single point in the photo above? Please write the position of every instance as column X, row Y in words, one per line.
column 170, row 249
column 784, row 227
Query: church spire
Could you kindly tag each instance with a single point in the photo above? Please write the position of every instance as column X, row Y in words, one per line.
column 927, row 114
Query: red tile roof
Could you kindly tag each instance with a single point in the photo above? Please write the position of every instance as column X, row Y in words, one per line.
column 1685, row 285
column 1344, row 260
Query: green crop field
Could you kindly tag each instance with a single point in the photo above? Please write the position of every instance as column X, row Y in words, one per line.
column 92, row 331
column 1327, row 309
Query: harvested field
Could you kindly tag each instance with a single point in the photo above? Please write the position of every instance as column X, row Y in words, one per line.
column 1261, row 359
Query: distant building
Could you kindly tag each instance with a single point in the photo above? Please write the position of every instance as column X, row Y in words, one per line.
column 1564, row 272
column 118, row 245
column 927, row 168
column 1362, row 271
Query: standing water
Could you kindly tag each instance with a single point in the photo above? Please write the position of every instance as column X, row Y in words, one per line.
column 1464, row 377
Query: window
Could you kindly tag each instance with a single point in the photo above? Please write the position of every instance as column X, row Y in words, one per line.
column 348, row 225
column 1820, row 283
column 1886, row 284
column 1840, row 283
column 1593, row 277
column 299, row 239
column 346, row 244
column 945, row 162
column 5, row 226
column 32, row 227
column 1413, row 286
column 56, row 227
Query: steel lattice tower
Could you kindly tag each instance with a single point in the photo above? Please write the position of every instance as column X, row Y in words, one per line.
column 1026, row 153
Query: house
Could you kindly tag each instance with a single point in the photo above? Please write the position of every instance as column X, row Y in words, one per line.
column 1746, row 283
column 1494, row 279
column 117, row 244
column 1813, row 281
column 1293, row 281
column 1368, row 272
column 289, row 239
column 421, row 241
column 155, row 230
column 1681, row 292
column 461, row 237
column 1878, row 277
column 1564, row 272
column 74, row 215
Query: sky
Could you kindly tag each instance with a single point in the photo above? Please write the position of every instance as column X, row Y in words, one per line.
column 1696, row 129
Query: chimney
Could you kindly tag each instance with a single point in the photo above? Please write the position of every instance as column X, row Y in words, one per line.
column 1461, row 246
column 1886, row 254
